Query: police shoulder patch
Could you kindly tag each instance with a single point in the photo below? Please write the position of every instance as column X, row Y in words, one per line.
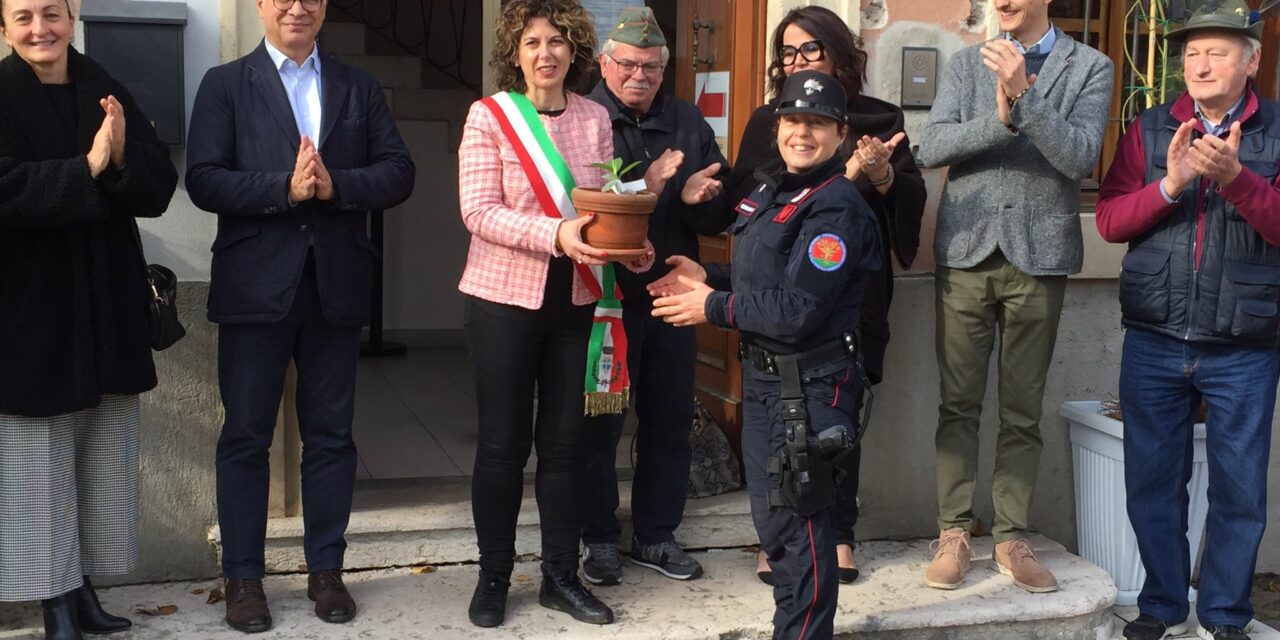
column 827, row 252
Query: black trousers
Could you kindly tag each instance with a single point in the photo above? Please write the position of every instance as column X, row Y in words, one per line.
column 519, row 353
column 661, row 359
column 801, row 549
column 252, row 362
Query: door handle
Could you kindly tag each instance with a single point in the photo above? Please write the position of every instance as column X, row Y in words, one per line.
column 698, row 25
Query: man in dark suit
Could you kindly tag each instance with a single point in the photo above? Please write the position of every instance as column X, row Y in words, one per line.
column 292, row 150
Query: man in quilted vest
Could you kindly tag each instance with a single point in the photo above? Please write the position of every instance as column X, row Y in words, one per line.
column 1193, row 191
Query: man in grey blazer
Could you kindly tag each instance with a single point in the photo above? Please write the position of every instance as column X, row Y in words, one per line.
column 1019, row 120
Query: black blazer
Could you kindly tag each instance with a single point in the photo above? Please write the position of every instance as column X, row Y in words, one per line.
column 73, row 296
column 240, row 154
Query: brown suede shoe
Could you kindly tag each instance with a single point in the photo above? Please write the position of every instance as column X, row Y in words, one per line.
column 247, row 605
column 950, row 561
column 1016, row 559
column 333, row 603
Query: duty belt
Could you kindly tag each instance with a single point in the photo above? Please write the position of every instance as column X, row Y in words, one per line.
column 767, row 361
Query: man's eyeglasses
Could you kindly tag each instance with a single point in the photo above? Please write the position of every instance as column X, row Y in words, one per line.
column 811, row 51
column 310, row 5
column 629, row 66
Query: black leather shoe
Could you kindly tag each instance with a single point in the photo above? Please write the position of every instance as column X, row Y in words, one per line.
column 247, row 605
column 90, row 615
column 60, row 618
column 333, row 602
column 566, row 593
column 489, row 602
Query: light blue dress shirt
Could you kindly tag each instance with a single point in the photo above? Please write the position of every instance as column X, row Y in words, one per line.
column 1045, row 43
column 302, row 85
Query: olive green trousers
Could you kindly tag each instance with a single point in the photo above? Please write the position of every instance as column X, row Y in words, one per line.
column 973, row 306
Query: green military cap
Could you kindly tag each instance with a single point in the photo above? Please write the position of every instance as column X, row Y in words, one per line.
column 638, row 28
column 1221, row 15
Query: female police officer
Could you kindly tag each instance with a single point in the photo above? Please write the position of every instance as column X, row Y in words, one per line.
column 804, row 240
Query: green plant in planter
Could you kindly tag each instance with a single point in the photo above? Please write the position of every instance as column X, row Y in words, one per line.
column 613, row 171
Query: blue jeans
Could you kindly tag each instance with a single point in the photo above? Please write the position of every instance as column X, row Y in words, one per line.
column 1162, row 380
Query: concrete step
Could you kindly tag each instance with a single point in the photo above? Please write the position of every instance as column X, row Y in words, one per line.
column 396, row 72
column 402, row 523
column 343, row 38
column 889, row 603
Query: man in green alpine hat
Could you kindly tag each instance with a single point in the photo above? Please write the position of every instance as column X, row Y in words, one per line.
column 1193, row 191
column 680, row 162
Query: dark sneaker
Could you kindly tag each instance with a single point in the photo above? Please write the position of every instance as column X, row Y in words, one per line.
column 666, row 558
column 489, row 602
column 602, row 564
column 1222, row 633
column 1147, row 627
column 566, row 593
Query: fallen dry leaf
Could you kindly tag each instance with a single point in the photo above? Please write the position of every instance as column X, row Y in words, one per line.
column 522, row 578
column 423, row 568
column 215, row 596
column 162, row 610
column 197, row 592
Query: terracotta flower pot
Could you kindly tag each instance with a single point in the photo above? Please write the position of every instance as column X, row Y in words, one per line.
column 621, row 219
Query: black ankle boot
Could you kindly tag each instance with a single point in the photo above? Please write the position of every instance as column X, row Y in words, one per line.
column 564, row 592
column 90, row 614
column 489, row 602
column 60, row 618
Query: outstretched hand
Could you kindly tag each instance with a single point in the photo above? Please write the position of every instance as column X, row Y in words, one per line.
column 685, row 309
column 669, row 285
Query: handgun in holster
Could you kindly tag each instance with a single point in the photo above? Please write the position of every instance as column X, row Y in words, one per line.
column 805, row 469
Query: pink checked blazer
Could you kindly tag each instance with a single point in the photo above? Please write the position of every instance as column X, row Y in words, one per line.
column 512, row 240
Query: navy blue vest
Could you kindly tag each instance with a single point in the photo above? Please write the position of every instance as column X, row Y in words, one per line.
column 1232, row 297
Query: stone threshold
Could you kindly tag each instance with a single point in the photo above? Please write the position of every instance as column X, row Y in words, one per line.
column 889, row 602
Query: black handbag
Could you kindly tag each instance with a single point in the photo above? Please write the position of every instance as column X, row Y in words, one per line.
column 162, row 308
column 166, row 329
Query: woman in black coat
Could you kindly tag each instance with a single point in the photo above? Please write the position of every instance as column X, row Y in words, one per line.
column 78, row 162
column 880, row 165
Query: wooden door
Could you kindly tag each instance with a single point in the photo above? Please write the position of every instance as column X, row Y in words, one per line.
column 718, row 65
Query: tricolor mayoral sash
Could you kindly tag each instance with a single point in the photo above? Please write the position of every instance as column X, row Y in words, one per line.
column 607, row 382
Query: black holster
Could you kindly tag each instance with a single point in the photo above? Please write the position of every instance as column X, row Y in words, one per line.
column 805, row 470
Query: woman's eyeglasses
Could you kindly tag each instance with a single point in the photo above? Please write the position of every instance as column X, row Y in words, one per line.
column 811, row 51
column 310, row 5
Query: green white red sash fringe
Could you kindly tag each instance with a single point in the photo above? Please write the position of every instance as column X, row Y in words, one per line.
column 607, row 383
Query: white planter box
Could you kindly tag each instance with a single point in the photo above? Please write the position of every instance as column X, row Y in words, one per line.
column 1102, row 524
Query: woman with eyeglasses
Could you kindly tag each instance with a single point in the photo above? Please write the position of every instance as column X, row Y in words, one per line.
column 79, row 161
column 880, row 165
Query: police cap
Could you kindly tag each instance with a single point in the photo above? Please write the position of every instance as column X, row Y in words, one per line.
column 813, row 92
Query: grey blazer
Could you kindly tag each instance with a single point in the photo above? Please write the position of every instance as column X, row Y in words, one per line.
column 1019, row 193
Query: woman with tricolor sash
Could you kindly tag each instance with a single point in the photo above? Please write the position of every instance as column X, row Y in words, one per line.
column 804, row 243
column 543, row 318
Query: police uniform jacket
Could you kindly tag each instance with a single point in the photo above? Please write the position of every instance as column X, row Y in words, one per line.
column 802, row 245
